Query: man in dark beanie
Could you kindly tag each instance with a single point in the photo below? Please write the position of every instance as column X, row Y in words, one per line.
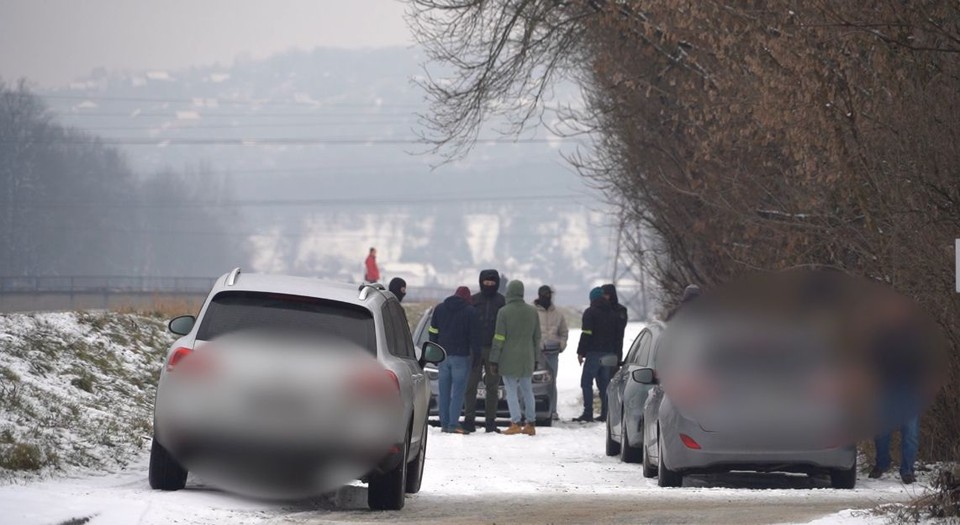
column 454, row 327
column 487, row 303
column 398, row 287
column 598, row 330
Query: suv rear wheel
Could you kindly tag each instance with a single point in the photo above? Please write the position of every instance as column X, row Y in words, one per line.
column 165, row 472
column 386, row 491
column 415, row 470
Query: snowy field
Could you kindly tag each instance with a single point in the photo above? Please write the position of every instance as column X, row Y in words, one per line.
column 558, row 476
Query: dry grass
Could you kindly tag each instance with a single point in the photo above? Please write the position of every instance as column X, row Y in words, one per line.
column 165, row 307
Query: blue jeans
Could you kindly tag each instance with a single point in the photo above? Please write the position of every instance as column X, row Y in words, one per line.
column 553, row 362
column 524, row 387
column 909, row 443
column 454, row 371
column 593, row 371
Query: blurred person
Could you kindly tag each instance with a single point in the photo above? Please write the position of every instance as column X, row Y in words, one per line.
column 597, row 339
column 900, row 351
column 516, row 343
column 487, row 303
column 553, row 333
column 690, row 293
column 620, row 312
column 455, row 327
column 372, row 274
column 398, row 287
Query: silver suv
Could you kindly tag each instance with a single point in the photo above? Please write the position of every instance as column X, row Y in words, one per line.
column 299, row 384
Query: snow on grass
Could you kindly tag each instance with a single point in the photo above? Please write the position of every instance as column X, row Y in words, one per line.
column 76, row 390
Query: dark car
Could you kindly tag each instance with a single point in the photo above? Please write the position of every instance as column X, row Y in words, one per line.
column 626, row 399
column 541, row 384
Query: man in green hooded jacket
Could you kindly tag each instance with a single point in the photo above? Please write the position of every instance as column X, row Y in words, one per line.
column 516, row 342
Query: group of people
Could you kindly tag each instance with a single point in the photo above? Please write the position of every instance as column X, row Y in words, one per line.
column 491, row 336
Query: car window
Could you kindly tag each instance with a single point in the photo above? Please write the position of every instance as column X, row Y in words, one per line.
column 395, row 326
column 634, row 349
column 236, row 311
column 654, row 350
column 403, row 329
column 644, row 353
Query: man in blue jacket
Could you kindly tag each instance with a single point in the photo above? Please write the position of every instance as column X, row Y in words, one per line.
column 455, row 327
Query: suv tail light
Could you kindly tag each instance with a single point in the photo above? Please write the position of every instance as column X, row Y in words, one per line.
column 376, row 383
column 178, row 356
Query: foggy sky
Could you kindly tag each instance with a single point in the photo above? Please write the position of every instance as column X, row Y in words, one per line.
column 52, row 42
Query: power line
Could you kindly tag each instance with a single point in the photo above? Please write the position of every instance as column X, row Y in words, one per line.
column 398, row 201
column 131, row 141
column 229, row 101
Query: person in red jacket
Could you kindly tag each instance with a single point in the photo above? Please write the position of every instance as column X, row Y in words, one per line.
column 372, row 274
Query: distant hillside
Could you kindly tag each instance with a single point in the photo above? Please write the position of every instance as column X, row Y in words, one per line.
column 336, row 131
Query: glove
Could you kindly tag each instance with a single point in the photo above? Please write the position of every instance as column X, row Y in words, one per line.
column 580, row 359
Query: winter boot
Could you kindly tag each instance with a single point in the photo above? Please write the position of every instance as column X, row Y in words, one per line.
column 514, row 429
column 469, row 425
column 529, row 429
column 584, row 418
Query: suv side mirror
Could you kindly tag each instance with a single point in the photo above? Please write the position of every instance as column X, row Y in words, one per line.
column 644, row 376
column 432, row 353
column 182, row 325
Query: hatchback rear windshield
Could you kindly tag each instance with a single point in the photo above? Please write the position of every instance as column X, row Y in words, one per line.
column 236, row 311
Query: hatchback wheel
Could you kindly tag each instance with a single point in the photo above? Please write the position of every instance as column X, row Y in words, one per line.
column 166, row 473
column 628, row 454
column 386, row 491
column 649, row 470
column 613, row 448
column 844, row 478
column 665, row 476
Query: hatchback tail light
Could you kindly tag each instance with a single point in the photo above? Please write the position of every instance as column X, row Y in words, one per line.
column 689, row 442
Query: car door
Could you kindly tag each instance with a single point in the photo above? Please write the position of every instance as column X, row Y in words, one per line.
column 404, row 350
column 633, row 393
column 617, row 384
column 651, row 407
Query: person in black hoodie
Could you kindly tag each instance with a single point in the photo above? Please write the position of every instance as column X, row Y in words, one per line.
column 597, row 339
column 398, row 287
column 455, row 327
column 620, row 312
column 486, row 304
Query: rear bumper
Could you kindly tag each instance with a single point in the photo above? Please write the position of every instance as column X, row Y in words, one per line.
column 720, row 452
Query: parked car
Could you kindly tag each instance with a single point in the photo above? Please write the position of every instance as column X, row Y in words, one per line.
column 541, row 384
column 626, row 399
column 677, row 441
column 353, row 393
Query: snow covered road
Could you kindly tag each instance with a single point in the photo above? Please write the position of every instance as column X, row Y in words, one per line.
column 558, row 476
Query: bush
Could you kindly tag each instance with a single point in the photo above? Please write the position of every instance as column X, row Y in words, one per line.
column 22, row 456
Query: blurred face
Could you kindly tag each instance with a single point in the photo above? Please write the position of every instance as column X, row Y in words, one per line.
column 489, row 282
column 373, row 253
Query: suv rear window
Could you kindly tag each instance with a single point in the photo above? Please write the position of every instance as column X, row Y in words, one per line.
column 237, row 311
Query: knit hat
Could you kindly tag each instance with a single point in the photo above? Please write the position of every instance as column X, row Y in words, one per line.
column 596, row 293
column 464, row 293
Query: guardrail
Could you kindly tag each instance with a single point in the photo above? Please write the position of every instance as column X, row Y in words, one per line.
column 105, row 284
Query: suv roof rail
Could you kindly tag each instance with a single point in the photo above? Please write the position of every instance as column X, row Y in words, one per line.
column 232, row 278
column 366, row 287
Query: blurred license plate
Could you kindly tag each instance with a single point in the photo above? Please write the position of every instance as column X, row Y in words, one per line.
column 482, row 393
